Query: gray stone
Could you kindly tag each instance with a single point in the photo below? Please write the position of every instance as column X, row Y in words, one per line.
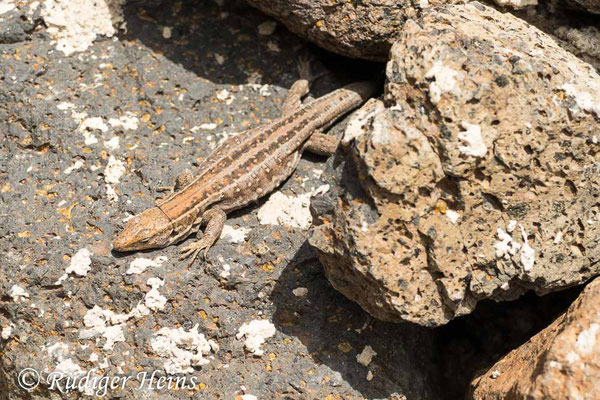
column 86, row 139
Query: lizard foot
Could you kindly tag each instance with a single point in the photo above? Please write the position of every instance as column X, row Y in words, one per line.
column 304, row 67
column 193, row 249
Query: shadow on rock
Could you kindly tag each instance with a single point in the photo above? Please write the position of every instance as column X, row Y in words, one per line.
column 233, row 44
column 335, row 331
column 471, row 344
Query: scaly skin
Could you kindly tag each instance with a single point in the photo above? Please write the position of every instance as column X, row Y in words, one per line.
column 241, row 170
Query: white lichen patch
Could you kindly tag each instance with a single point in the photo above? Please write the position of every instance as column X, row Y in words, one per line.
column 516, row 4
column 234, row 235
column 292, row 211
column 154, row 300
column 65, row 105
column 473, row 144
column 108, row 324
column 225, row 96
column 182, row 350
column 507, row 247
column 59, row 353
column 88, row 125
column 586, row 98
column 366, row 356
column 68, row 367
column 128, row 121
column 80, row 263
column 93, row 123
column 586, row 340
column 206, row 127
column 113, row 143
column 273, row 46
column 104, row 323
column 256, row 332
column 360, row 120
column 18, row 293
column 75, row 24
column 76, row 165
column 226, row 271
column 7, row 6
column 558, row 237
column 263, row 90
column 382, row 133
column 527, row 252
column 140, row 264
column 512, row 224
column 452, row 215
column 111, row 194
column 114, row 170
column 7, row 332
column 219, row 58
column 112, row 173
column 444, row 80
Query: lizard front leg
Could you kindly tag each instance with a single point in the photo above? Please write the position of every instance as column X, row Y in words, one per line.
column 215, row 218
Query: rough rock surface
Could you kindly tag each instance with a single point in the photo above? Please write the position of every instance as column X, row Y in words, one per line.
column 361, row 29
column 584, row 42
column 85, row 140
column 479, row 174
column 592, row 6
column 561, row 362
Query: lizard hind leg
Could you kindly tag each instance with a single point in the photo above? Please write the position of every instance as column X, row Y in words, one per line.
column 216, row 220
column 182, row 180
column 321, row 144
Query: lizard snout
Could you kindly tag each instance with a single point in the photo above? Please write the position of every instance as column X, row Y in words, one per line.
column 148, row 230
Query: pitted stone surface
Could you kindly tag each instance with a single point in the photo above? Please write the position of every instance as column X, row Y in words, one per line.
column 479, row 175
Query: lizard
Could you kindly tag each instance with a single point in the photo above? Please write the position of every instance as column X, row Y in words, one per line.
column 242, row 169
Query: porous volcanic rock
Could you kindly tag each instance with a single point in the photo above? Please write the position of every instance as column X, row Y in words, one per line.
column 355, row 29
column 561, row 362
column 478, row 173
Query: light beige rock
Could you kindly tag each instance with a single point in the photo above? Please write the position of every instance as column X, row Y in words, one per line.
column 361, row 29
column 479, row 176
column 516, row 4
column 560, row 363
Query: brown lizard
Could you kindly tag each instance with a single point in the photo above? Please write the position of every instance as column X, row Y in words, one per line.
column 242, row 169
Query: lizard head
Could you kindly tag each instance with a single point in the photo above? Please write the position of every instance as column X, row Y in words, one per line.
column 149, row 230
